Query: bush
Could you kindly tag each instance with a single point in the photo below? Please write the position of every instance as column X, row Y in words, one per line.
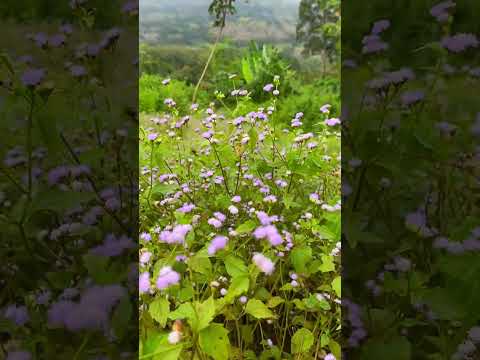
column 240, row 231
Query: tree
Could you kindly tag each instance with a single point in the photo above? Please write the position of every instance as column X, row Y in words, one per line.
column 318, row 27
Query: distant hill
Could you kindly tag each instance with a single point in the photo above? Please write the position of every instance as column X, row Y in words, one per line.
column 188, row 21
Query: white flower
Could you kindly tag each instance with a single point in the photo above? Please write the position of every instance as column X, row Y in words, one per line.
column 174, row 337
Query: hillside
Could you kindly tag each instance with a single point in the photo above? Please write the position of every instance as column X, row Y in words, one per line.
column 188, row 21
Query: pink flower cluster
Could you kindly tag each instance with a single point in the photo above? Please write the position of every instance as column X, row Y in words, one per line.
column 219, row 242
column 167, row 277
column 263, row 263
column 175, row 236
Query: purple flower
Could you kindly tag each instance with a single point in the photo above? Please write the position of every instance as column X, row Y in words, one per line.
column 208, row 134
column 19, row 355
column 380, row 26
column 373, row 44
column 41, row 39
column 17, row 314
column 439, row 11
column 130, row 7
column 167, row 277
column 170, row 103
column 268, row 87
column 166, row 82
column 269, row 232
column 263, row 263
column 459, row 42
column 296, row 123
column 144, row 282
column 145, row 257
column 220, row 216
column 412, row 97
column 330, row 357
column 325, row 109
column 145, row 237
column 270, row 199
column 78, row 70
column 264, row 218
column 236, row 199
column 113, row 246
column 152, row 136
column 66, row 29
column 215, row 223
column 177, row 235
column 33, row 77
column 219, row 242
column 332, row 122
column 186, row 208
column 57, row 40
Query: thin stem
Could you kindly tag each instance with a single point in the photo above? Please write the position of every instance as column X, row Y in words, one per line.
column 210, row 57
column 225, row 179
column 29, row 145
column 13, row 181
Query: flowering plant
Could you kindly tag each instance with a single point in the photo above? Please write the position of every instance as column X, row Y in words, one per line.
column 240, row 231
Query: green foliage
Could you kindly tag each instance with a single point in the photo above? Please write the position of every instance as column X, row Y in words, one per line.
column 154, row 93
column 259, row 67
column 319, row 27
column 302, row 341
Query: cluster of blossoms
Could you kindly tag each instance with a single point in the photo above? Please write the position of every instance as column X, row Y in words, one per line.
column 467, row 349
column 176, row 235
column 471, row 244
column 354, row 317
column 91, row 312
column 167, row 277
column 460, row 42
column 399, row 265
column 218, row 243
column 372, row 43
column 217, row 220
column 203, row 194
column 417, row 222
column 263, row 263
column 440, row 11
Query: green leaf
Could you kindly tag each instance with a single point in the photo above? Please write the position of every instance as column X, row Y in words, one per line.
column 397, row 348
column 238, row 286
column 300, row 257
column 335, row 348
column 214, row 341
column 157, row 347
column 121, row 317
column 159, row 310
column 246, row 227
column 59, row 201
column 205, row 312
column 96, row 266
column 302, row 341
column 327, row 263
column 337, row 286
column 258, row 309
column 275, row 301
column 200, row 263
column 160, row 189
column 247, row 71
column 235, row 266
column 184, row 311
